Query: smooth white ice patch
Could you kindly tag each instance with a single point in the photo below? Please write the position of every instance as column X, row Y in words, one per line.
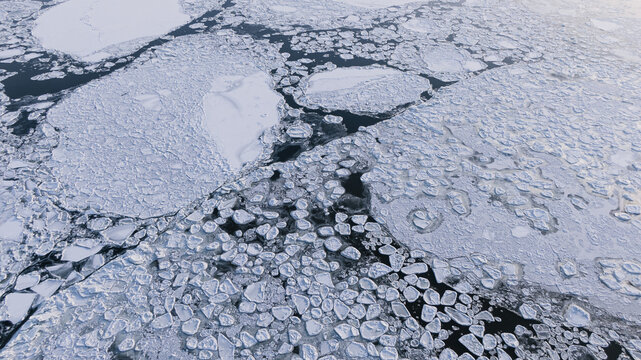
column 17, row 305
column 362, row 90
column 85, row 28
column 6, row 54
column 345, row 78
column 151, row 138
column 623, row 158
column 448, row 58
column 237, row 111
column 377, row 4
column 10, row 229
column 441, row 60
column 421, row 25
column 604, row 25
column 283, row 8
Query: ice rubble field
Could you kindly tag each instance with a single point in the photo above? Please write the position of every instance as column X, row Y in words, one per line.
column 260, row 179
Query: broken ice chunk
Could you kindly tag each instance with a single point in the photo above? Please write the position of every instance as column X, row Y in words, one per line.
column 26, row 281
column 577, row 316
column 17, row 305
column 300, row 131
column 472, row 344
column 378, row 270
column 372, row 330
column 77, row 253
column 242, row 217
column 225, row 347
column 282, row 313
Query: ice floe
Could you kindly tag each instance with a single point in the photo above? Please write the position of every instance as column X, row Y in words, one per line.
column 86, row 29
column 161, row 133
column 598, row 229
column 444, row 61
column 238, row 109
column 377, row 4
column 362, row 90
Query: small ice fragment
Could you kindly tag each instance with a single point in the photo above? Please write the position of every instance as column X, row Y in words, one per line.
column 520, row 231
column 242, row 217
column 281, row 312
column 300, row 131
column 77, row 253
column 332, row 119
column 378, row 270
column 577, row 316
column 372, row 330
column 527, row 311
column 225, row 347
column 472, row 344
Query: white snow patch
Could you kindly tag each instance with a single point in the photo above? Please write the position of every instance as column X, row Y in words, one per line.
column 362, row 90
column 11, row 229
column 85, row 28
column 17, row 305
column 345, row 78
column 376, row 4
column 520, row 231
column 449, row 59
column 237, row 111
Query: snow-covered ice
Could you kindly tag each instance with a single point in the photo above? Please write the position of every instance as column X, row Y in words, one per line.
column 377, row 4
column 443, row 60
column 88, row 28
column 238, row 110
column 181, row 207
column 362, row 90
column 163, row 132
column 344, row 78
column 10, row 229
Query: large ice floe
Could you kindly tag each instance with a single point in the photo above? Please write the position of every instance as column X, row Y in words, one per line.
column 362, row 90
column 377, row 4
column 164, row 131
column 533, row 196
column 443, row 60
